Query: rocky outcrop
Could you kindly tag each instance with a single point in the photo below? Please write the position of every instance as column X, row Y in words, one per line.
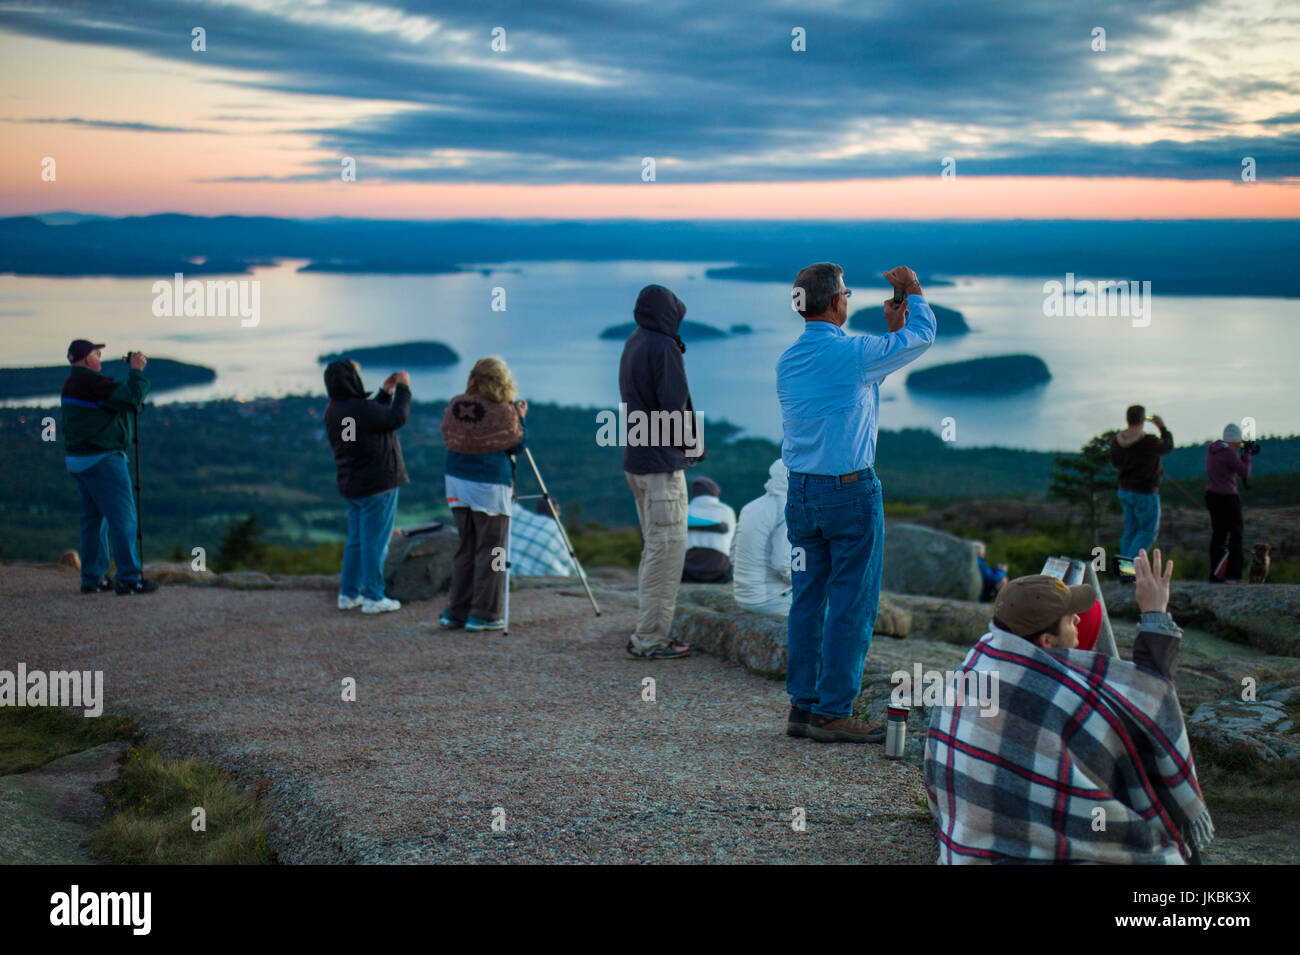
column 1265, row 724
column 1181, row 523
column 174, row 573
column 920, row 560
column 893, row 619
column 419, row 567
column 1266, row 617
column 709, row 618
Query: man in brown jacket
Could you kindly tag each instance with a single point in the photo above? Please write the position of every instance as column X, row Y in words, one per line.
column 1137, row 456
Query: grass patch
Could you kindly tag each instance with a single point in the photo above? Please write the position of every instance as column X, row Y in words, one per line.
column 907, row 508
column 597, row 547
column 151, row 800
column 154, row 801
column 1236, row 779
column 31, row 736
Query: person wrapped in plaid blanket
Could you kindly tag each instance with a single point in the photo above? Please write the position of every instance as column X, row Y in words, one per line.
column 1084, row 757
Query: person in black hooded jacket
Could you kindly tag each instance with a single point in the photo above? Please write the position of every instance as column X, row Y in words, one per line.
column 368, row 457
column 663, row 440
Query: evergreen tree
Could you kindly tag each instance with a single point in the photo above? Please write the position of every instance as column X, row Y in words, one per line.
column 1087, row 480
column 242, row 546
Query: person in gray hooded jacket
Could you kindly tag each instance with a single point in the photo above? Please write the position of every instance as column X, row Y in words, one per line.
column 663, row 440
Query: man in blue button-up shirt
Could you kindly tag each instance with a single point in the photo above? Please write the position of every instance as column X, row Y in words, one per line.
column 829, row 386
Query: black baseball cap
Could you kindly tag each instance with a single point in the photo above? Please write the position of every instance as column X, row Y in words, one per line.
column 80, row 348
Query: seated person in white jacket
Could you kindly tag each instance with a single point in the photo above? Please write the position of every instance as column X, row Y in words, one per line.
column 760, row 556
column 710, row 526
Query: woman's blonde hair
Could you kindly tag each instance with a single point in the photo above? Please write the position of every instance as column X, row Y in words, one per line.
column 490, row 378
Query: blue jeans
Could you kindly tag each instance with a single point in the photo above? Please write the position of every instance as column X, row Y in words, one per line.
column 370, row 526
column 1141, row 521
column 108, row 514
column 841, row 530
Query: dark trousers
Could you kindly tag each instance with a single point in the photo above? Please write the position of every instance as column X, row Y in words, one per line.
column 478, row 575
column 1225, row 525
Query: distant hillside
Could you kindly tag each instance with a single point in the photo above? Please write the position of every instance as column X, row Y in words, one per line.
column 163, row 374
column 949, row 323
column 398, row 355
column 1188, row 257
column 999, row 374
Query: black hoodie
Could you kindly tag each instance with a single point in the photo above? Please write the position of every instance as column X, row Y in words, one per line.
column 371, row 460
column 652, row 377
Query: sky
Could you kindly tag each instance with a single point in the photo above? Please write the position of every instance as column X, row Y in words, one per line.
column 528, row 109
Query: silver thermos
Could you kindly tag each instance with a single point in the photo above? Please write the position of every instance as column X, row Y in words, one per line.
column 895, row 732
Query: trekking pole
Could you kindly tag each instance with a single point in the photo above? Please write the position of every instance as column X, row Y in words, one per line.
column 139, row 526
column 510, row 519
column 505, row 631
column 546, row 496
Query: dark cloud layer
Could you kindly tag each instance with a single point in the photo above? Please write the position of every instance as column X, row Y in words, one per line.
column 714, row 91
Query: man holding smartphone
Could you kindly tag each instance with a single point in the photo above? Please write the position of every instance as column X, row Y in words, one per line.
column 97, row 428
column 1137, row 456
column 828, row 383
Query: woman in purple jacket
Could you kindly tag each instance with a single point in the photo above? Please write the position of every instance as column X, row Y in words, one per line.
column 1223, row 462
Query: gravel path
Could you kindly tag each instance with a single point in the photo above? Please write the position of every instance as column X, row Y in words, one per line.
column 547, row 724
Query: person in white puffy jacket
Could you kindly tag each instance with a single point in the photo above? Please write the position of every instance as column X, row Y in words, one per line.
column 760, row 552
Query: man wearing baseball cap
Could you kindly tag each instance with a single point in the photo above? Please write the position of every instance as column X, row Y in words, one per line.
column 97, row 427
column 1043, row 610
column 1071, row 739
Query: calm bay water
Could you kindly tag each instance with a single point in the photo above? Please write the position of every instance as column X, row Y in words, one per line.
column 1201, row 362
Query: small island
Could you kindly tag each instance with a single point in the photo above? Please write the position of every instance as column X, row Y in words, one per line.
column 742, row 329
column 998, row 375
column 690, row 331
column 787, row 273
column 385, row 267
column 949, row 323
column 398, row 355
column 164, row 374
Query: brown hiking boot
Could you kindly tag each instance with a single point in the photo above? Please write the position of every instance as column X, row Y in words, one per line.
column 845, row 729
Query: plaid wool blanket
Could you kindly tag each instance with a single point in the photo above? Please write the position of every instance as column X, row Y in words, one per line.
column 1086, row 759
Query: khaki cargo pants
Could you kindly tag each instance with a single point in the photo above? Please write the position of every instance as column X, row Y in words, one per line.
column 661, row 509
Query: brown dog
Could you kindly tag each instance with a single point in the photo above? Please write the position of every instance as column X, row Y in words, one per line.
column 1259, row 564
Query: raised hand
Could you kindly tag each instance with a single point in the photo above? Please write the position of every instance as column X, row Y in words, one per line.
column 904, row 278
column 895, row 314
column 1152, row 587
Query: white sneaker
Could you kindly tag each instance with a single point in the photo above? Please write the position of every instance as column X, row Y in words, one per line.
column 350, row 603
column 380, row 606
